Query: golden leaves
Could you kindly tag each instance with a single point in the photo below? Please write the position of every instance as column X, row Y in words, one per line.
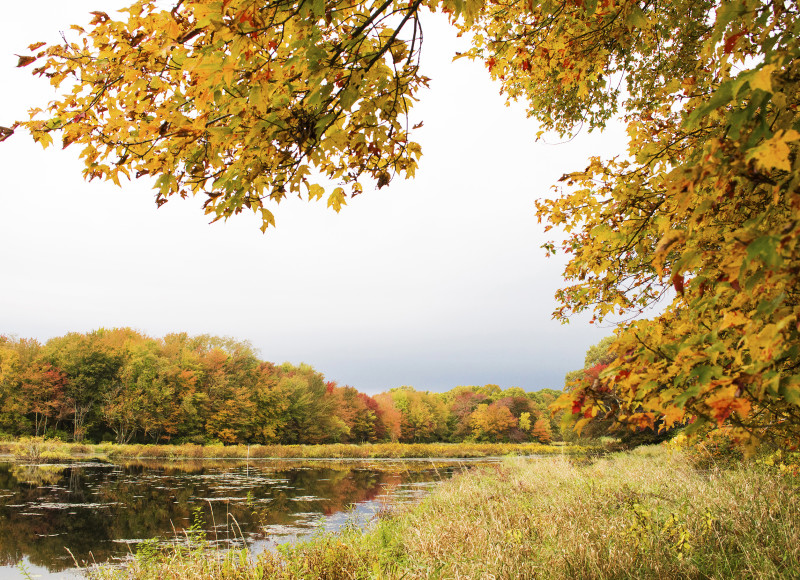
column 99, row 17
column 315, row 191
column 337, row 199
column 733, row 318
column 774, row 153
column 673, row 415
column 762, row 79
column 242, row 105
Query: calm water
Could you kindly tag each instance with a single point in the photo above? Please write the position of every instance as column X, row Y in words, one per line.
column 100, row 512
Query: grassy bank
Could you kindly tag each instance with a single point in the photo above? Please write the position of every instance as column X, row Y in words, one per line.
column 645, row 514
column 37, row 449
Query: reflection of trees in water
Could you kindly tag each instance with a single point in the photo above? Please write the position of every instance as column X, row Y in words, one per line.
column 37, row 475
column 75, row 480
column 332, row 491
column 141, row 501
column 40, row 532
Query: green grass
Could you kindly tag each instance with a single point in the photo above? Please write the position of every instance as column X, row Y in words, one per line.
column 644, row 514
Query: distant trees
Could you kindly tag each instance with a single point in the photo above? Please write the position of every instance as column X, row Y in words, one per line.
column 11, row 403
column 121, row 385
column 492, row 422
column 91, row 367
column 42, row 389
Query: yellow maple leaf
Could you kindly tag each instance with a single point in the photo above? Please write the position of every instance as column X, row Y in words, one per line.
column 763, row 78
column 672, row 415
column 774, row 153
column 735, row 318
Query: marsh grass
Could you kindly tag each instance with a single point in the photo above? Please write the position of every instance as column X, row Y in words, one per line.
column 340, row 450
column 39, row 449
column 644, row 514
column 33, row 448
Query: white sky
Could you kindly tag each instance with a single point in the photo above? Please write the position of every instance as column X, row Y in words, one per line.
column 434, row 282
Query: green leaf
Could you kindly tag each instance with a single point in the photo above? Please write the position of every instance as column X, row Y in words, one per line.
column 767, row 307
column 637, row 18
column 765, row 249
column 267, row 219
column 347, row 97
column 687, row 394
column 703, row 373
column 792, row 394
column 722, row 96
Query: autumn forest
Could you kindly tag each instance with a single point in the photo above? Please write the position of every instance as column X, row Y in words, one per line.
column 120, row 385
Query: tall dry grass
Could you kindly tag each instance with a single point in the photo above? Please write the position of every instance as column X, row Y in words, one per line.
column 645, row 514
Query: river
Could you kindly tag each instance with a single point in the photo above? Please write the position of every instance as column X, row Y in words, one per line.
column 55, row 518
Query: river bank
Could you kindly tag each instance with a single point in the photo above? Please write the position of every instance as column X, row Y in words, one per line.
column 644, row 514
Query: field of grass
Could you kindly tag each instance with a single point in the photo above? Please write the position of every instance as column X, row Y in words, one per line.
column 644, row 514
column 38, row 449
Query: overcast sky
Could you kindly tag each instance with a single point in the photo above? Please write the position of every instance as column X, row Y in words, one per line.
column 434, row 282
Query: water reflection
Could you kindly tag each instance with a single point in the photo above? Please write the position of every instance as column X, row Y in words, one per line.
column 98, row 512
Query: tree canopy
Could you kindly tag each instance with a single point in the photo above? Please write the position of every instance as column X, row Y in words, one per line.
column 247, row 101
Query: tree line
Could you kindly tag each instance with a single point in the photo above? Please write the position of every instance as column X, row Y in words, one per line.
column 121, row 385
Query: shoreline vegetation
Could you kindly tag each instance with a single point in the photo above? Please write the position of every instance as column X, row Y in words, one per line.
column 45, row 450
column 649, row 513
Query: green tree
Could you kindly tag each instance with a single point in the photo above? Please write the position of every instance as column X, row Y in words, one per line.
column 230, row 383
column 310, row 416
column 124, row 404
column 91, row 368
column 597, row 354
column 271, row 406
